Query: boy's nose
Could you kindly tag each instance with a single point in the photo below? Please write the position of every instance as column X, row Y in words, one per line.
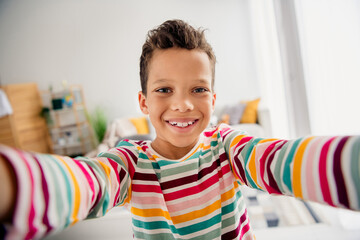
column 182, row 104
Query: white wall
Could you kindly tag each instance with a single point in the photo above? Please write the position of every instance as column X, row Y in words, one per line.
column 98, row 43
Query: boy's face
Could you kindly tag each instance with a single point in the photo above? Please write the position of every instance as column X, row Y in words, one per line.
column 179, row 99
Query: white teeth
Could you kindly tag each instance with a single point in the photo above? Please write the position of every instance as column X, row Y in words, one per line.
column 182, row 124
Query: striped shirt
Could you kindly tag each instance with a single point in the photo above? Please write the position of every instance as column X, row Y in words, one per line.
column 195, row 197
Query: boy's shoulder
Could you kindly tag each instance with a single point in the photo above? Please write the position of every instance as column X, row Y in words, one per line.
column 134, row 145
column 220, row 130
column 126, row 150
column 223, row 133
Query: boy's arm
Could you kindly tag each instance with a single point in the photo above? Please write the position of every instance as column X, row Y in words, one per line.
column 7, row 190
column 321, row 169
column 54, row 192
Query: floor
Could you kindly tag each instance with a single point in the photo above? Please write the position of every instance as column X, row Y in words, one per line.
column 294, row 222
column 311, row 232
column 115, row 225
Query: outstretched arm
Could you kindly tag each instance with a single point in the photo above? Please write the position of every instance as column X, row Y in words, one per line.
column 321, row 169
column 7, row 190
column 42, row 193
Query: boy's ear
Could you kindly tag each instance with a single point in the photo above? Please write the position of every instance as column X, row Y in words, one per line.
column 143, row 103
column 213, row 101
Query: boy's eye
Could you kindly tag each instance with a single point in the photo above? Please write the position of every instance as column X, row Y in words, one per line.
column 163, row 90
column 200, row 90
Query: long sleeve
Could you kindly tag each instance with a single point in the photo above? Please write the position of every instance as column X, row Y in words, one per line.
column 321, row 169
column 54, row 192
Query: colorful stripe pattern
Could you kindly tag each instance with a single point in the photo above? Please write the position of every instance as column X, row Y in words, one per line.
column 196, row 197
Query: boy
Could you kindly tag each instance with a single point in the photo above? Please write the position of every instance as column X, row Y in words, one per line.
column 184, row 184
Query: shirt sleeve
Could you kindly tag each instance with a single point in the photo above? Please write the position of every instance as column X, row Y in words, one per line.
column 321, row 169
column 54, row 192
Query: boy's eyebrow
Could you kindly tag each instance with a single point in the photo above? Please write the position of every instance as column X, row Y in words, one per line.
column 163, row 80
column 159, row 81
column 202, row 81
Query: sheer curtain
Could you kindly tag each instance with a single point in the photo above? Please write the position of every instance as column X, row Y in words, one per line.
column 328, row 58
column 329, row 33
column 268, row 65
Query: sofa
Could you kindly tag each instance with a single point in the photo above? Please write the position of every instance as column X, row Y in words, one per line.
column 246, row 116
column 262, row 127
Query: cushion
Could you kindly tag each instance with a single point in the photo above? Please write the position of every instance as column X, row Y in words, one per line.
column 236, row 112
column 232, row 113
column 141, row 125
column 225, row 118
column 250, row 112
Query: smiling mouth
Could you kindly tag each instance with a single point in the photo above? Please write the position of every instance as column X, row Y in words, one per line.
column 182, row 124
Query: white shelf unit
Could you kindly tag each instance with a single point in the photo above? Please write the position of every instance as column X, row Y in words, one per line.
column 69, row 127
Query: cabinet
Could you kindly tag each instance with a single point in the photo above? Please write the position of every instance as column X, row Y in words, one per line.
column 24, row 128
column 68, row 123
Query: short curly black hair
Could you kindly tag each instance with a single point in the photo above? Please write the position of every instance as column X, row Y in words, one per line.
column 173, row 33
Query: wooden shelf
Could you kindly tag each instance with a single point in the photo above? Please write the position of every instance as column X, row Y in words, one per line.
column 25, row 128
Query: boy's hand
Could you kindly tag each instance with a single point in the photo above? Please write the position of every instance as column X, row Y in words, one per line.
column 7, row 190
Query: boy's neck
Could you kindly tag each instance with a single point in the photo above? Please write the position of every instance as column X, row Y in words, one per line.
column 170, row 151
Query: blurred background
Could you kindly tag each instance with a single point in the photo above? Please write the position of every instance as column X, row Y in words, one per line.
column 300, row 57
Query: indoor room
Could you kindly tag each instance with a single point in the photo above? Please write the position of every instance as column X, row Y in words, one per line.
column 69, row 83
